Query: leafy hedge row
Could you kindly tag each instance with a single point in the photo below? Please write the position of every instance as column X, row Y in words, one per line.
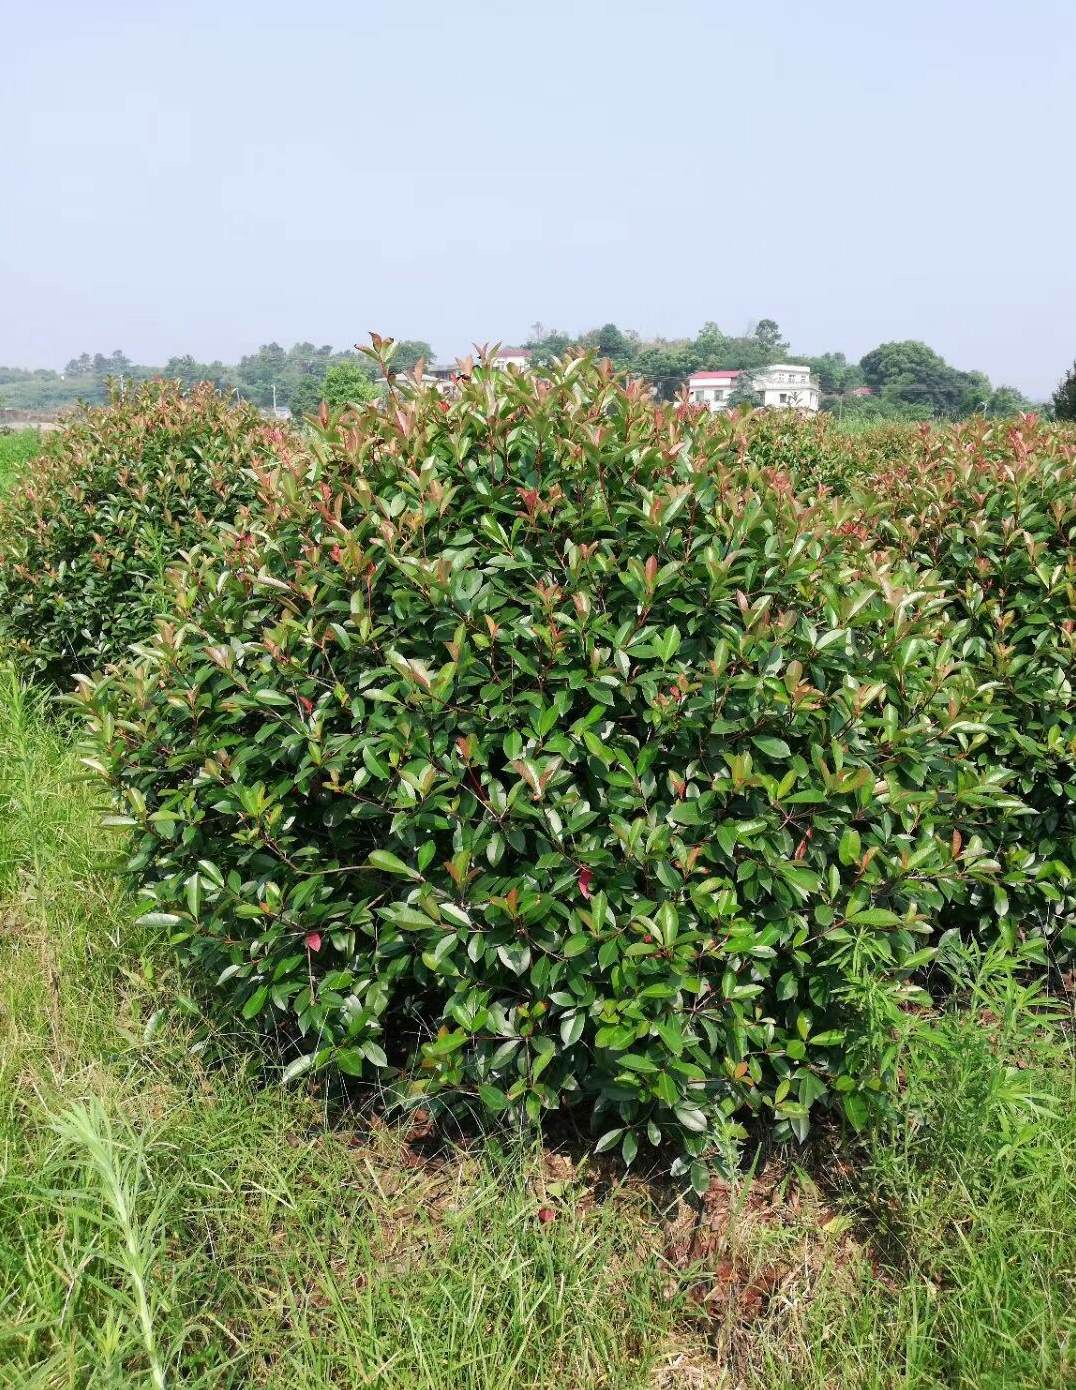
column 549, row 748
column 991, row 508
column 88, row 532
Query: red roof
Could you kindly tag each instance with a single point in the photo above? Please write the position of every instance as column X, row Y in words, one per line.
column 714, row 376
column 514, row 352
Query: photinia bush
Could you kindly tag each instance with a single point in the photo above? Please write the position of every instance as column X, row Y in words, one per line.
column 542, row 749
column 990, row 509
column 88, row 532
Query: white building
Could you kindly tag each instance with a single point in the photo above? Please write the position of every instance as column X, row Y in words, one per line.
column 788, row 385
column 712, row 388
column 513, row 357
column 784, row 386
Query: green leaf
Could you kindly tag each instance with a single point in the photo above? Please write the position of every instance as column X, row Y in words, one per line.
column 390, row 863
column 855, row 1109
column 493, row 1098
column 349, row 1060
column 875, row 917
column 256, row 1001
column 299, row 1067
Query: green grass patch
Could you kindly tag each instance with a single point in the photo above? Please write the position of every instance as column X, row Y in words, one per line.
column 967, row 1200
column 17, row 448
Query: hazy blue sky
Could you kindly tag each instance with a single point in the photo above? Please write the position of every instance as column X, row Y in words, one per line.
column 204, row 176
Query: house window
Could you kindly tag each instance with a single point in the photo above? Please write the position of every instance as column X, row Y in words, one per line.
column 784, row 397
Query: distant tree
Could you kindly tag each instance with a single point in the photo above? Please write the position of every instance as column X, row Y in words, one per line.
column 273, row 365
column 546, row 343
column 744, row 392
column 976, row 393
column 190, row 372
column 1006, row 400
column 748, row 353
column 347, row 384
column 768, row 335
column 878, row 407
column 898, row 361
column 710, row 346
column 611, row 342
column 111, row 365
column 1064, row 398
column 306, row 396
column 260, row 371
column 914, row 374
column 835, row 373
column 409, row 351
column 343, row 383
column 667, row 365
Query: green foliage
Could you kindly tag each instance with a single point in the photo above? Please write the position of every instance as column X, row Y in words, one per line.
column 243, row 1199
column 744, row 393
column 190, row 372
column 344, row 383
column 1064, row 398
column 992, row 508
column 295, row 373
column 912, row 381
column 912, row 374
column 549, row 749
column 1004, row 401
column 87, row 535
column 147, row 1175
column 666, row 363
column 835, row 374
column 970, row 1279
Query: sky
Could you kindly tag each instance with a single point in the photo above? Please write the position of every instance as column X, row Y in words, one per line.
column 205, row 177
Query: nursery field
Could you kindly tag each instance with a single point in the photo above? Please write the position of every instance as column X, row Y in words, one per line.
column 852, row 1165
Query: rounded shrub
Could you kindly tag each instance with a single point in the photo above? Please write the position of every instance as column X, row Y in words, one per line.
column 990, row 509
column 540, row 749
column 88, row 532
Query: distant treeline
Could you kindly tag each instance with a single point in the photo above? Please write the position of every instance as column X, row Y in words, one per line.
column 906, row 380
column 289, row 376
column 903, row 380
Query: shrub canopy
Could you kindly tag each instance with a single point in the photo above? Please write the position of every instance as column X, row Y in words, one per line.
column 549, row 748
column 88, row 532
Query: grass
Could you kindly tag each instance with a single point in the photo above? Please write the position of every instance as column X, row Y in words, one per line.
column 167, row 1219
column 969, row 1201
column 17, row 448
